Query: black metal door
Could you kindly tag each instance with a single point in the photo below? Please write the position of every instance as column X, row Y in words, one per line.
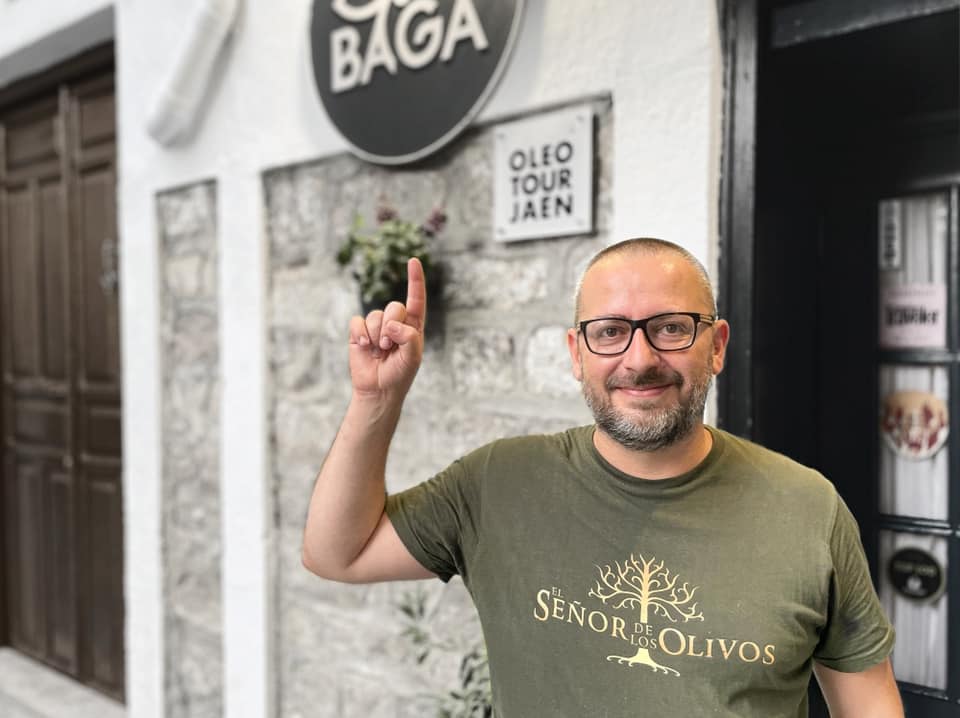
column 843, row 224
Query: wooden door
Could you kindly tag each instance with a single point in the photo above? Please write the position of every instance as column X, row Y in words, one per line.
column 61, row 498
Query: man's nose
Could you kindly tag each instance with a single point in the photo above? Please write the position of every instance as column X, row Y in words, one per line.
column 640, row 354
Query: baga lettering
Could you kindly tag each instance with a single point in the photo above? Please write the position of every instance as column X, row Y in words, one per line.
column 419, row 36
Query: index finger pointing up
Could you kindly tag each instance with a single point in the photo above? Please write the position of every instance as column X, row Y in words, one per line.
column 416, row 294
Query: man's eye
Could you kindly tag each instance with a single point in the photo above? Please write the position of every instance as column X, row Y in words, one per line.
column 610, row 332
column 671, row 329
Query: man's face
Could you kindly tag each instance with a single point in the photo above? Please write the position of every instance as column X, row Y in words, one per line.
column 645, row 399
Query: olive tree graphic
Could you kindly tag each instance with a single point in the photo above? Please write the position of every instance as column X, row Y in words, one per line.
column 647, row 585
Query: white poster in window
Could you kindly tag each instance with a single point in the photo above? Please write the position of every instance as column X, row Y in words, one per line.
column 891, row 235
column 913, row 316
column 543, row 176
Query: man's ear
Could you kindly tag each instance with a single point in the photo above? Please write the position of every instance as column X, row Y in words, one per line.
column 573, row 345
column 721, row 336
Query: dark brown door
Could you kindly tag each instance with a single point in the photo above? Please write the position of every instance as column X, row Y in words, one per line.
column 61, row 499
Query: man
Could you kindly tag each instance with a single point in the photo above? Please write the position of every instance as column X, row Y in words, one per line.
column 647, row 565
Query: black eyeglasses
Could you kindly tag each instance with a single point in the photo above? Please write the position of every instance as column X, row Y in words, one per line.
column 664, row 332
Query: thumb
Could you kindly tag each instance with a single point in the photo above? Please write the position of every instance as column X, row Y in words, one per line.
column 401, row 333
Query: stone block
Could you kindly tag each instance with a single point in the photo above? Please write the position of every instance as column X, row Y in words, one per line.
column 293, row 486
column 190, row 336
column 488, row 283
column 191, row 404
column 190, row 274
column 187, row 213
column 547, row 363
column 472, row 428
column 304, row 430
column 296, row 359
column 482, row 361
column 193, row 671
column 364, row 646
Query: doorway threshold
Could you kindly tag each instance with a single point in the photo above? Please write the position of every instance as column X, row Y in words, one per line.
column 29, row 689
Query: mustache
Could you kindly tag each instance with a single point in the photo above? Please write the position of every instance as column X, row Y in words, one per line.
column 651, row 377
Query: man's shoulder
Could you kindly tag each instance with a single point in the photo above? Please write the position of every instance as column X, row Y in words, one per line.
column 754, row 460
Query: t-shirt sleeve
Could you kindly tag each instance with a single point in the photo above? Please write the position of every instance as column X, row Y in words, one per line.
column 438, row 519
column 858, row 634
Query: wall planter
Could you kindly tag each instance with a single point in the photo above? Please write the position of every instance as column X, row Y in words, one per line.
column 377, row 257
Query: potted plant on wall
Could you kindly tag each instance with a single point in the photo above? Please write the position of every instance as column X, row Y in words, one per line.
column 377, row 257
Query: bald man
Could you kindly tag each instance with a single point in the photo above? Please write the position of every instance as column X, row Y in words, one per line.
column 646, row 564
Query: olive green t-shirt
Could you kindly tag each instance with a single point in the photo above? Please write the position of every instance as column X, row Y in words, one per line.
column 604, row 595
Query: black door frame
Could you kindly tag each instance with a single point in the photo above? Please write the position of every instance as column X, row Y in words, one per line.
column 741, row 37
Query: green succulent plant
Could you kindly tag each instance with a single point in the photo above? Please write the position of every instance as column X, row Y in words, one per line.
column 377, row 257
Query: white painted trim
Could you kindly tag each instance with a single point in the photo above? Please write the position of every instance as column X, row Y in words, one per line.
column 142, row 464
column 176, row 106
column 247, row 506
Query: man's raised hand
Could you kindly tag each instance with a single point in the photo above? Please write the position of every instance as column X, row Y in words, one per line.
column 386, row 346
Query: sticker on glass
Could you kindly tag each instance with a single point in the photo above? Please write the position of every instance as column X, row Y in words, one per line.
column 917, row 574
column 891, row 236
column 914, row 424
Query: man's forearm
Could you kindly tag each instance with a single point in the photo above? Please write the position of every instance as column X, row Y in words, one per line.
column 348, row 496
column 871, row 693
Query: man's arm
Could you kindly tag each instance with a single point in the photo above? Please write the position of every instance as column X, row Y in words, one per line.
column 348, row 537
column 871, row 693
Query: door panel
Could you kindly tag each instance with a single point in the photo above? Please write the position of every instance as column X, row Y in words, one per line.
column 22, row 317
column 53, row 235
column 29, row 618
column 97, row 379
column 62, row 586
column 98, row 278
column 104, row 609
column 61, row 382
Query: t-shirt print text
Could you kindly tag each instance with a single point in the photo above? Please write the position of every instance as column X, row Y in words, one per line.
column 636, row 598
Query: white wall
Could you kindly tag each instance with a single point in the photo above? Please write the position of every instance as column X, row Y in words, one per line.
column 24, row 22
column 659, row 61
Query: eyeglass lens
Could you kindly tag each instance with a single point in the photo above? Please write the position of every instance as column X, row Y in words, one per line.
column 669, row 331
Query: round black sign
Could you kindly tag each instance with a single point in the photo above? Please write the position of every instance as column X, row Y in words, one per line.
column 400, row 78
column 916, row 574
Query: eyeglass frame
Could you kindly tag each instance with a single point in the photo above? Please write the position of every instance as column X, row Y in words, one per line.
column 641, row 324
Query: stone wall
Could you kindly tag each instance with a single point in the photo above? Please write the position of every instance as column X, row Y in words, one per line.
column 191, row 437
column 497, row 366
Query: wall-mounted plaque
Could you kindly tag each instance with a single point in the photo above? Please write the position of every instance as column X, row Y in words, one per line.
column 543, row 176
column 916, row 574
column 399, row 79
column 915, row 424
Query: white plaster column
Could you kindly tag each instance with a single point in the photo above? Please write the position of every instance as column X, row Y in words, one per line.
column 245, row 497
column 142, row 467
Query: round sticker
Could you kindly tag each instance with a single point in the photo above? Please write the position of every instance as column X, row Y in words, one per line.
column 916, row 574
column 401, row 78
column 915, row 424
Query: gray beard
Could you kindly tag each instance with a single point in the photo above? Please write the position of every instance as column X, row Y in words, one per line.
column 660, row 427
